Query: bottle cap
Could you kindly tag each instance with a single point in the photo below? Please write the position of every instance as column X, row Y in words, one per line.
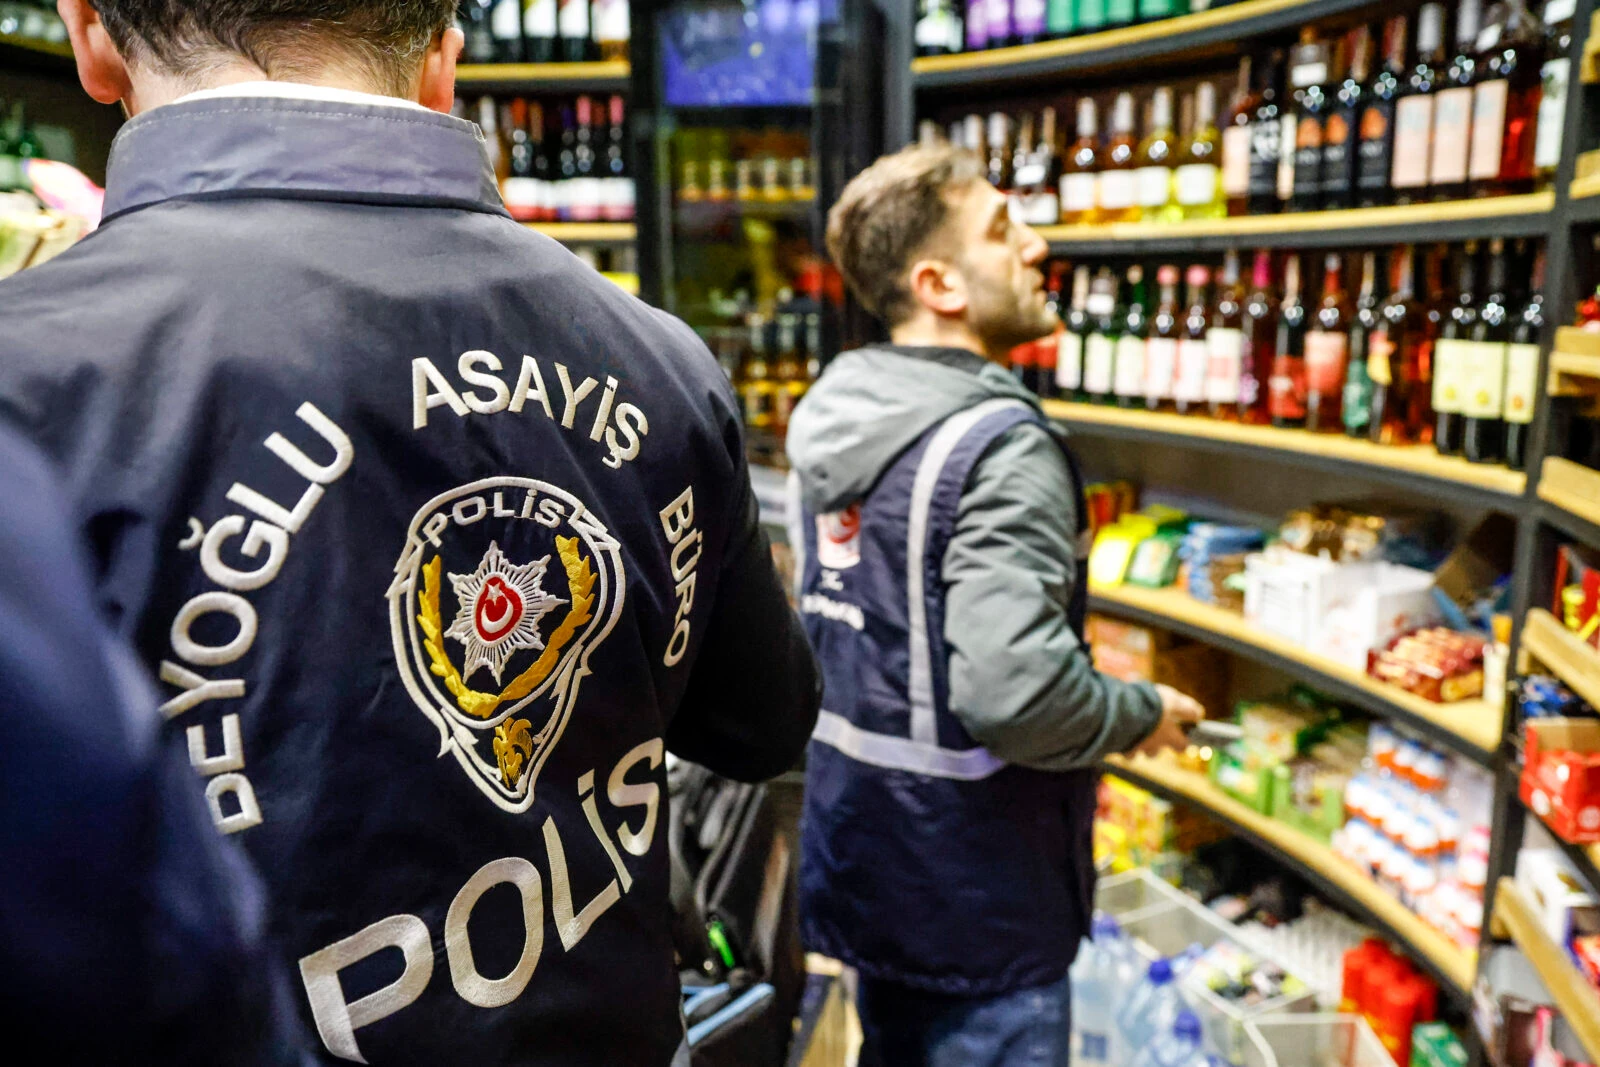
column 1104, row 926
column 1167, row 274
column 1161, row 972
column 1187, row 1026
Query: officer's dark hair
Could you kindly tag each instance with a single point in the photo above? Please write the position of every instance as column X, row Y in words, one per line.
column 382, row 40
column 886, row 216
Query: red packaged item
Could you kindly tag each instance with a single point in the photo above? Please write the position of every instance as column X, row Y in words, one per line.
column 1586, row 950
column 1436, row 664
column 1561, row 776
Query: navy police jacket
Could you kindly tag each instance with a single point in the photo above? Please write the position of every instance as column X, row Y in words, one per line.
column 437, row 543
column 927, row 861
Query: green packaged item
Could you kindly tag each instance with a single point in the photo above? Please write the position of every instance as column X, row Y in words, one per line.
column 1245, row 774
column 1436, row 1045
column 1309, row 797
column 1155, row 562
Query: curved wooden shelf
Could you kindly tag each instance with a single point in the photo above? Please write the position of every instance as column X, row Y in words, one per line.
column 1578, row 1000
column 1571, row 495
column 1448, row 961
column 1213, row 32
column 587, row 232
column 1471, row 727
column 1563, row 653
column 1450, row 220
column 1413, row 466
column 612, row 76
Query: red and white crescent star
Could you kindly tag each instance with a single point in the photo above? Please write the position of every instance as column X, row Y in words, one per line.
column 499, row 606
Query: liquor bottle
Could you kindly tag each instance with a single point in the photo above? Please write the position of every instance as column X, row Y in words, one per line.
column 1060, row 18
column 1483, row 371
column 1128, row 376
column 1259, row 327
column 1037, row 176
column 938, row 29
column 1080, row 170
column 1021, row 154
column 523, row 192
column 1357, row 406
column 1327, row 349
column 1287, row 388
column 1413, row 111
column 1225, row 342
column 505, row 25
column 1000, row 31
column 1121, row 13
column 1070, row 343
column 1022, row 358
column 539, row 30
column 572, row 22
column 544, row 161
column 586, row 186
column 1266, row 141
column 1189, row 384
column 1339, row 138
column 1522, row 370
column 788, row 368
column 755, row 385
column 1506, row 102
column 1419, row 356
column 977, row 25
column 1198, row 178
column 1117, row 189
column 1452, row 110
column 1155, row 163
column 1308, row 74
column 477, row 21
column 1554, row 75
column 1091, row 16
column 1100, row 343
column 1028, row 21
column 1452, row 353
column 611, row 28
column 1047, row 351
column 1161, row 348
column 489, row 122
column 1402, row 328
column 621, row 200
column 1375, row 131
column 1236, row 142
column 998, row 169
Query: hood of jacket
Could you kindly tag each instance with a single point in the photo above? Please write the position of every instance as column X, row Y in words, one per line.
column 874, row 403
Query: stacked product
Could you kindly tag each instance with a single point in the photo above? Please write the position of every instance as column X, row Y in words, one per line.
column 544, row 31
column 32, row 20
column 1134, row 828
column 560, row 160
column 1388, row 992
column 947, row 26
column 1561, row 776
column 1214, row 560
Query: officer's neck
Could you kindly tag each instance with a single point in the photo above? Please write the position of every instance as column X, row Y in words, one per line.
column 936, row 331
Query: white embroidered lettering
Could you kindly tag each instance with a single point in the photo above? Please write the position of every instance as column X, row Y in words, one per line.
column 262, row 534
column 624, row 794
column 499, row 396
column 214, row 655
column 531, row 383
column 232, row 758
column 473, row 987
column 337, row 1021
column 574, row 397
column 196, row 690
column 430, row 389
column 572, row 928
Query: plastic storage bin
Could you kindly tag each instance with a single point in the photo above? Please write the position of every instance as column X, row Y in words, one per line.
column 1314, row 1041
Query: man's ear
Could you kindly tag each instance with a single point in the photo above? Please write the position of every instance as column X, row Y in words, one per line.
column 438, row 86
column 101, row 68
column 939, row 286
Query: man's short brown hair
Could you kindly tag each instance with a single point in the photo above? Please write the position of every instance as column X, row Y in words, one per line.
column 886, row 215
column 382, row 39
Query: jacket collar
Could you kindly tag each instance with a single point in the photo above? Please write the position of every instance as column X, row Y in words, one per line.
column 238, row 146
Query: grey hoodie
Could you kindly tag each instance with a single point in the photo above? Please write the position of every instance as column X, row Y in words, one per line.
column 1019, row 679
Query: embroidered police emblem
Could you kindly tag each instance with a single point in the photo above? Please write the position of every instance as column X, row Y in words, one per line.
column 504, row 590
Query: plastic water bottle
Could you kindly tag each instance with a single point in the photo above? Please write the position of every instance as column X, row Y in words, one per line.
column 1102, row 974
column 1152, row 1009
column 1177, row 1047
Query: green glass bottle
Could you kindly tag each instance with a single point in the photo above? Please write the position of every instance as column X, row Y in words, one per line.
column 1121, row 13
column 1060, row 18
column 1091, row 15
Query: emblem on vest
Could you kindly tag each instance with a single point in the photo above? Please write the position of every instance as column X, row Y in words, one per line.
column 504, row 590
column 839, row 538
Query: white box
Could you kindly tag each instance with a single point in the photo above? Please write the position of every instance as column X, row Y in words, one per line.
column 1376, row 603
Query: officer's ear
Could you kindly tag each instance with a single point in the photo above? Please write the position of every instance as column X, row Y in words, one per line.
column 939, row 286
column 438, row 87
column 101, row 68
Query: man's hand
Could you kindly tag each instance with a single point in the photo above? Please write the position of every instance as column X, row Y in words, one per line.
column 1177, row 710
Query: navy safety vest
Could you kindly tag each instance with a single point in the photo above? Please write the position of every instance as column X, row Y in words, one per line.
column 926, row 860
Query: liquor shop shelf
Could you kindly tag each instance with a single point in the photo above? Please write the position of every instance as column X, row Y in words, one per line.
column 591, row 233
column 1327, row 871
column 1578, row 1000
column 1526, row 215
column 1570, row 493
column 1215, row 32
column 1417, row 467
column 1585, row 858
column 1562, row 652
column 1575, row 362
column 1471, row 727
column 606, row 77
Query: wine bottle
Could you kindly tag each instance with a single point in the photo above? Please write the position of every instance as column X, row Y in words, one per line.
column 1028, row 21
column 1339, row 140
column 1554, row 75
column 1259, row 329
column 1189, row 383
column 1001, row 32
column 1483, row 371
column 1155, row 163
column 1161, row 347
column 621, row 201
column 1287, row 389
column 1358, row 388
column 1327, row 348
column 977, row 25
column 1392, row 359
column 1236, row 142
column 477, row 20
column 1375, row 132
column 612, row 29
column 1070, row 343
column 1266, row 141
column 572, row 22
column 1197, row 178
column 1080, row 170
column 522, row 190
column 1060, row 18
column 999, row 156
column 938, row 30
column 1117, row 191
column 505, row 25
column 1308, row 73
column 1522, row 370
column 1452, row 110
column 1037, row 176
column 1451, row 353
column 1129, row 375
column 539, row 32
column 1100, row 344
column 1505, row 103
column 1413, row 112
column 1225, row 342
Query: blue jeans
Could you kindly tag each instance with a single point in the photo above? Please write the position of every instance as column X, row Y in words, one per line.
column 903, row 1027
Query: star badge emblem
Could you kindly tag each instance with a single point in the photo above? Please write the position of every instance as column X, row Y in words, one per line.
column 499, row 608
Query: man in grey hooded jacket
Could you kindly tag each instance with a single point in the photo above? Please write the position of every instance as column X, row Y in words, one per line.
column 913, row 831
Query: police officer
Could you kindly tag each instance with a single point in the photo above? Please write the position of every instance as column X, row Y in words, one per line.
column 436, row 541
column 950, row 794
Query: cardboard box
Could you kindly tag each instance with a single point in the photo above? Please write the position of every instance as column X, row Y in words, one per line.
column 1561, row 776
column 1565, row 907
column 1136, row 653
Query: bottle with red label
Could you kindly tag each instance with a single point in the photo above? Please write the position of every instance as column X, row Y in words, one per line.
column 1327, row 347
column 1286, row 391
column 1258, row 324
column 1413, row 114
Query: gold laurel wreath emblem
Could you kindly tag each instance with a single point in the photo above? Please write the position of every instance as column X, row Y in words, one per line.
column 513, row 740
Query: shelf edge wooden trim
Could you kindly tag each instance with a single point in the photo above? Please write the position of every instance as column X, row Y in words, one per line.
column 62, row 50
column 1578, row 1000
column 1474, row 722
column 1582, row 188
column 1563, row 652
column 477, row 73
column 1246, row 226
column 1103, row 41
column 1413, row 459
column 1450, row 959
column 1573, row 374
column 579, row 232
column 1572, row 487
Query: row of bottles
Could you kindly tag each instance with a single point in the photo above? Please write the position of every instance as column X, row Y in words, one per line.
column 544, row 31
column 559, row 160
column 773, row 359
column 34, row 20
column 773, row 165
column 946, row 26
column 1438, row 345
column 1325, row 127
